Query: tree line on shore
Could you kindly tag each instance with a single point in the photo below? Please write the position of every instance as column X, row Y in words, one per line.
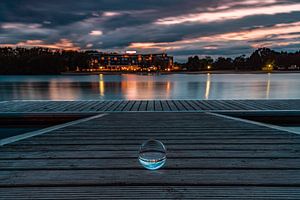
column 40, row 60
column 259, row 59
column 48, row 61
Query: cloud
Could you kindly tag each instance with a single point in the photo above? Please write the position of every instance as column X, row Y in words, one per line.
column 89, row 45
column 20, row 26
column 274, row 36
column 256, row 33
column 25, row 28
column 111, row 14
column 61, row 44
column 96, row 33
column 229, row 14
column 182, row 28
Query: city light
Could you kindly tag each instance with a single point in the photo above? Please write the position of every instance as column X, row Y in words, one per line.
column 130, row 62
column 131, row 52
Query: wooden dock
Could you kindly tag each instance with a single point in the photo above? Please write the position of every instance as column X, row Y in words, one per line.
column 210, row 156
column 148, row 106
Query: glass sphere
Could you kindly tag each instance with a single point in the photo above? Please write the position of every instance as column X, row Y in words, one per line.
column 152, row 154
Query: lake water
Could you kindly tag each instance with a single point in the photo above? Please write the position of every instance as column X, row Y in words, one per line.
column 130, row 87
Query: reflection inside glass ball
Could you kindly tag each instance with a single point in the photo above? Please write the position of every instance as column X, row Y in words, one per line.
column 152, row 154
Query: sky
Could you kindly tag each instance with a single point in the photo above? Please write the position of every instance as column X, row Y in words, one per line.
column 181, row 28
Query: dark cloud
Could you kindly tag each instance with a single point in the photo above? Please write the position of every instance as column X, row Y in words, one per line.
column 169, row 25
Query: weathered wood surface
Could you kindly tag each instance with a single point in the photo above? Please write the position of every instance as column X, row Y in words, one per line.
column 151, row 105
column 152, row 192
column 208, row 157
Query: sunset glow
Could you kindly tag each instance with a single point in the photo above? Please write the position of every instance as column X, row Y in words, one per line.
column 61, row 44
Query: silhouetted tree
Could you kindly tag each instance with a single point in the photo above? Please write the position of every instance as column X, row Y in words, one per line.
column 223, row 64
column 256, row 61
column 40, row 60
column 193, row 63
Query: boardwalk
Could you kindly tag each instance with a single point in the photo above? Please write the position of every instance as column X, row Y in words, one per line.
column 152, row 105
column 209, row 156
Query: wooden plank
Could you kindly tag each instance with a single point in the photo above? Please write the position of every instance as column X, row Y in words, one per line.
column 97, row 106
column 257, row 104
column 110, row 106
column 165, row 106
column 106, row 105
column 187, row 105
column 150, row 105
column 213, row 104
column 165, row 128
column 170, row 135
column 122, row 106
column 172, row 105
column 210, row 177
column 73, row 105
column 87, row 105
column 151, row 192
column 182, row 153
column 129, row 106
column 165, row 137
column 199, row 106
column 93, row 105
column 216, row 105
column 179, row 106
column 28, row 106
column 136, row 106
column 143, row 106
column 114, row 106
column 194, row 105
column 167, row 141
column 46, row 107
column 242, row 106
column 132, row 163
column 176, row 146
column 228, row 104
column 205, row 105
column 267, row 104
column 157, row 105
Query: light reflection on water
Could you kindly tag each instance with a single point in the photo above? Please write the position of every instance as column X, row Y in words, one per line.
column 207, row 87
column 130, row 86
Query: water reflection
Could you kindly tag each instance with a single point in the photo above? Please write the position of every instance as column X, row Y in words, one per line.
column 101, row 85
column 268, row 86
column 176, row 86
column 168, row 90
column 207, row 86
column 134, row 88
column 57, row 91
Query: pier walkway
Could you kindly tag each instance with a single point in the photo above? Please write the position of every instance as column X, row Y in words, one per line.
column 151, row 105
column 210, row 156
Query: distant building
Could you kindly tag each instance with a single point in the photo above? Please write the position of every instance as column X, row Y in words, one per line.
column 294, row 67
column 289, row 68
column 130, row 61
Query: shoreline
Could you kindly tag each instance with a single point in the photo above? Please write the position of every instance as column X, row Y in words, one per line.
column 181, row 72
column 158, row 73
